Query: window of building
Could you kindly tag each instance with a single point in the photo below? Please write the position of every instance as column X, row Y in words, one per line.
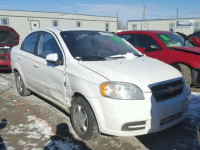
column 78, row 24
column 4, row 22
column 55, row 23
column 107, row 27
column 196, row 26
column 134, row 27
column 171, row 26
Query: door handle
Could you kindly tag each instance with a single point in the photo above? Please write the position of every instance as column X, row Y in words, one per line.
column 19, row 57
column 36, row 65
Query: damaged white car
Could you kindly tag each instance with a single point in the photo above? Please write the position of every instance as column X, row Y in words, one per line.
column 105, row 83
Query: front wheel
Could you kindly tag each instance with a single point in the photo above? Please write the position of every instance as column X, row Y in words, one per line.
column 21, row 88
column 83, row 119
column 186, row 72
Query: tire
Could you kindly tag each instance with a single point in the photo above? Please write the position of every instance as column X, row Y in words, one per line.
column 83, row 119
column 21, row 88
column 186, row 72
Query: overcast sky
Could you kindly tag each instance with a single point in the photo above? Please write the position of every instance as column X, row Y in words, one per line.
column 127, row 9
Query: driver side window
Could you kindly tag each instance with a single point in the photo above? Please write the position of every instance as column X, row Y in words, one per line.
column 144, row 41
column 48, row 45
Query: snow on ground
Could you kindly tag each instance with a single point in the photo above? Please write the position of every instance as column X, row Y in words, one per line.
column 40, row 130
column 3, row 84
column 194, row 109
column 34, row 129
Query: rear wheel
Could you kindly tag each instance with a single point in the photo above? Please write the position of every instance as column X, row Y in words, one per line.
column 83, row 119
column 186, row 72
column 21, row 88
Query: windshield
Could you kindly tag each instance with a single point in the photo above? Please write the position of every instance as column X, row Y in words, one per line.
column 172, row 40
column 96, row 45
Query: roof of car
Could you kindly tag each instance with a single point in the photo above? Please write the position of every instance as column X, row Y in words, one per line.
column 146, row 31
column 66, row 29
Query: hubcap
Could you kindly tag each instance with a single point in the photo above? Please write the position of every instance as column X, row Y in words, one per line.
column 80, row 119
column 19, row 83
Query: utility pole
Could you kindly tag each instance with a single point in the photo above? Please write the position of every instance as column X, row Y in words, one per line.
column 176, row 13
column 117, row 20
column 144, row 13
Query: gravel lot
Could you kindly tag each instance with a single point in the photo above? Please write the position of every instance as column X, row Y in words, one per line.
column 32, row 123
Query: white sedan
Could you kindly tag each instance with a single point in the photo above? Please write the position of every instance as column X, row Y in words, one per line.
column 106, row 84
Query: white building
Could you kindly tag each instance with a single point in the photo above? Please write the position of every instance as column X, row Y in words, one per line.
column 186, row 26
column 25, row 21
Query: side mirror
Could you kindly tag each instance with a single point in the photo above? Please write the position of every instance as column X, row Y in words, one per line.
column 153, row 48
column 53, row 58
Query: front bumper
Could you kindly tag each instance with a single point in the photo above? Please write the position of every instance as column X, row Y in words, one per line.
column 137, row 117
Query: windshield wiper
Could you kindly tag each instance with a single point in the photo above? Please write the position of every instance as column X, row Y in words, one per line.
column 115, row 57
column 90, row 58
column 121, row 56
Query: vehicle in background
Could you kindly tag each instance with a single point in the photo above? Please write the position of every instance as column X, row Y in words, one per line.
column 108, row 85
column 170, row 48
column 194, row 38
column 8, row 38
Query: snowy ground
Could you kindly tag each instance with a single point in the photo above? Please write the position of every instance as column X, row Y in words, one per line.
column 32, row 123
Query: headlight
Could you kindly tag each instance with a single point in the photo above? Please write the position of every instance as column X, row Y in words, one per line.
column 119, row 90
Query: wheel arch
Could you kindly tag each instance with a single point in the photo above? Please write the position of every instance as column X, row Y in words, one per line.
column 175, row 64
column 77, row 94
column 18, row 69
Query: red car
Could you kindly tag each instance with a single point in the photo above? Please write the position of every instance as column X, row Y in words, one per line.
column 170, row 48
column 195, row 38
column 8, row 38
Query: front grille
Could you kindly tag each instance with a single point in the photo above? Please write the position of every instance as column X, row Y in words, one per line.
column 164, row 91
column 171, row 118
column 3, row 66
column 3, row 58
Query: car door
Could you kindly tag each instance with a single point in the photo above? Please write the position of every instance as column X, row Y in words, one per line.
column 146, row 45
column 50, row 76
column 26, row 56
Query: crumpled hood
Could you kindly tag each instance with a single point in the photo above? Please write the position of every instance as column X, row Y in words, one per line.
column 8, row 36
column 141, row 71
column 193, row 50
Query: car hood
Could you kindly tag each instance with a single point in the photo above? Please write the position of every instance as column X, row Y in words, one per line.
column 141, row 71
column 8, row 36
column 193, row 50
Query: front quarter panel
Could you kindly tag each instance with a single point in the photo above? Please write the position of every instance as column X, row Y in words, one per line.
column 82, row 80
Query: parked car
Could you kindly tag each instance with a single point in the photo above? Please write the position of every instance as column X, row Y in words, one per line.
column 104, row 82
column 170, row 48
column 8, row 38
column 195, row 38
